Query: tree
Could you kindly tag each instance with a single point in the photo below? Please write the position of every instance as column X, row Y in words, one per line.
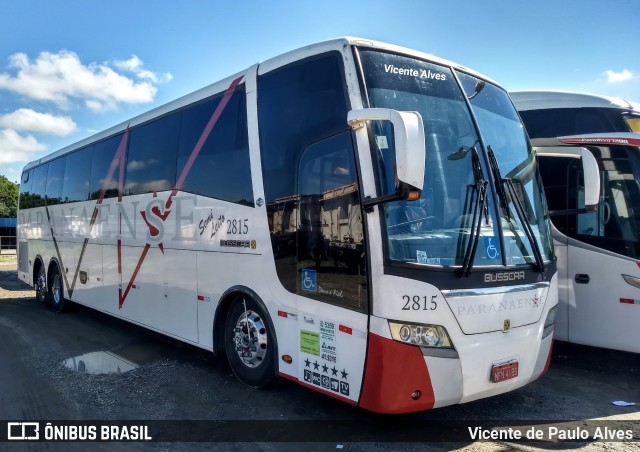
column 8, row 198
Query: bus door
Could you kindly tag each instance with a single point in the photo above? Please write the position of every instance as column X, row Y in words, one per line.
column 313, row 206
column 604, row 277
column 331, row 268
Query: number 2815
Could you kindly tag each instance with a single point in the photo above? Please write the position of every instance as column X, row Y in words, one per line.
column 419, row 303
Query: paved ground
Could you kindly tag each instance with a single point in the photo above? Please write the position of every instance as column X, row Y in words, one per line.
column 178, row 382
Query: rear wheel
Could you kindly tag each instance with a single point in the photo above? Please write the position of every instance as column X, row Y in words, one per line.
column 56, row 291
column 249, row 343
column 42, row 294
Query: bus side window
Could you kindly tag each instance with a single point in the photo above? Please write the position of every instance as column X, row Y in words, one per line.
column 222, row 169
column 104, row 154
column 55, row 177
column 25, row 189
column 39, row 185
column 331, row 238
column 153, row 148
column 77, row 176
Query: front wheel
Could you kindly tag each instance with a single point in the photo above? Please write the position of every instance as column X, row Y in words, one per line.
column 249, row 343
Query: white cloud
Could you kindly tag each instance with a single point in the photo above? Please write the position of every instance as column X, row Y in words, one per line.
column 30, row 120
column 61, row 77
column 15, row 148
column 614, row 77
column 134, row 65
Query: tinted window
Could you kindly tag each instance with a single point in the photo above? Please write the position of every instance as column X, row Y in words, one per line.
column 331, row 237
column 104, row 154
column 151, row 159
column 313, row 198
column 221, row 169
column 297, row 106
column 558, row 122
column 55, row 177
column 77, row 176
column 25, row 189
column 39, row 185
column 615, row 224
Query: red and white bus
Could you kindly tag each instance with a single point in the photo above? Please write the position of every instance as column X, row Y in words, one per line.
column 598, row 250
column 363, row 219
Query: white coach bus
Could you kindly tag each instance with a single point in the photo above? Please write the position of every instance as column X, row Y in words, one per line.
column 363, row 219
column 599, row 250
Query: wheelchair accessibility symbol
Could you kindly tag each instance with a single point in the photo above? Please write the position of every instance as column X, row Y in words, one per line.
column 492, row 251
column 309, row 281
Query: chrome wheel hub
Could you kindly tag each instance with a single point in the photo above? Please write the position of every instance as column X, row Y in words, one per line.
column 56, row 290
column 250, row 338
column 41, row 285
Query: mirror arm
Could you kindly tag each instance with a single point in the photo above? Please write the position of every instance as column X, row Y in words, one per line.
column 403, row 194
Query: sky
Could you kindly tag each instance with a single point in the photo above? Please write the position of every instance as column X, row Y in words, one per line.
column 72, row 68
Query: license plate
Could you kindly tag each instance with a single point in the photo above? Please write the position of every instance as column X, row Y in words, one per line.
column 502, row 372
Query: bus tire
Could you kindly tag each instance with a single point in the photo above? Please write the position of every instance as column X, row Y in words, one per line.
column 56, row 290
column 249, row 343
column 40, row 285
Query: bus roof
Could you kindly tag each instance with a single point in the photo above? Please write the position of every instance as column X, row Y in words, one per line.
column 540, row 100
column 337, row 44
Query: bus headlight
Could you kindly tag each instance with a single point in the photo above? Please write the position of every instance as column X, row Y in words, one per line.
column 420, row 335
column 550, row 322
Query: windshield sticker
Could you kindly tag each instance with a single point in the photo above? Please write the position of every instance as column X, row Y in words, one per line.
column 423, row 258
column 418, row 73
column 491, row 250
column 381, row 141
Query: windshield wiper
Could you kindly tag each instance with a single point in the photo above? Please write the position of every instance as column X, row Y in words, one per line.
column 498, row 183
column 510, row 192
column 479, row 209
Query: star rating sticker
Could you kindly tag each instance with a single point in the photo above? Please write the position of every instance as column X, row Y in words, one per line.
column 316, row 365
column 307, row 363
column 325, row 368
column 344, row 373
column 334, row 371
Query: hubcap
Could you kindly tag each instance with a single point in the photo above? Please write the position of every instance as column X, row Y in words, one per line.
column 55, row 289
column 250, row 338
column 41, row 284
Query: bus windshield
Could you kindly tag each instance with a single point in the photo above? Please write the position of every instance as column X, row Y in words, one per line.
column 458, row 206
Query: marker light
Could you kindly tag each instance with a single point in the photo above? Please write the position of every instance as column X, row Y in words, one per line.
column 550, row 321
column 635, row 282
column 421, row 335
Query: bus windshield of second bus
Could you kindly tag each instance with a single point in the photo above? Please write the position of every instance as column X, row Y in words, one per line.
column 550, row 114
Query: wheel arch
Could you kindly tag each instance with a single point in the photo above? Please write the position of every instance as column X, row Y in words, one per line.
column 220, row 317
column 54, row 262
column 37, row 263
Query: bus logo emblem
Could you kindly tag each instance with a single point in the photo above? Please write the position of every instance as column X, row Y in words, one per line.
column 309, row 280
column 506, row 326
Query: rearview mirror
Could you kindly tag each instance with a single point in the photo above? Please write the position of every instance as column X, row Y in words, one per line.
column 589, row 169
column 409, row 142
